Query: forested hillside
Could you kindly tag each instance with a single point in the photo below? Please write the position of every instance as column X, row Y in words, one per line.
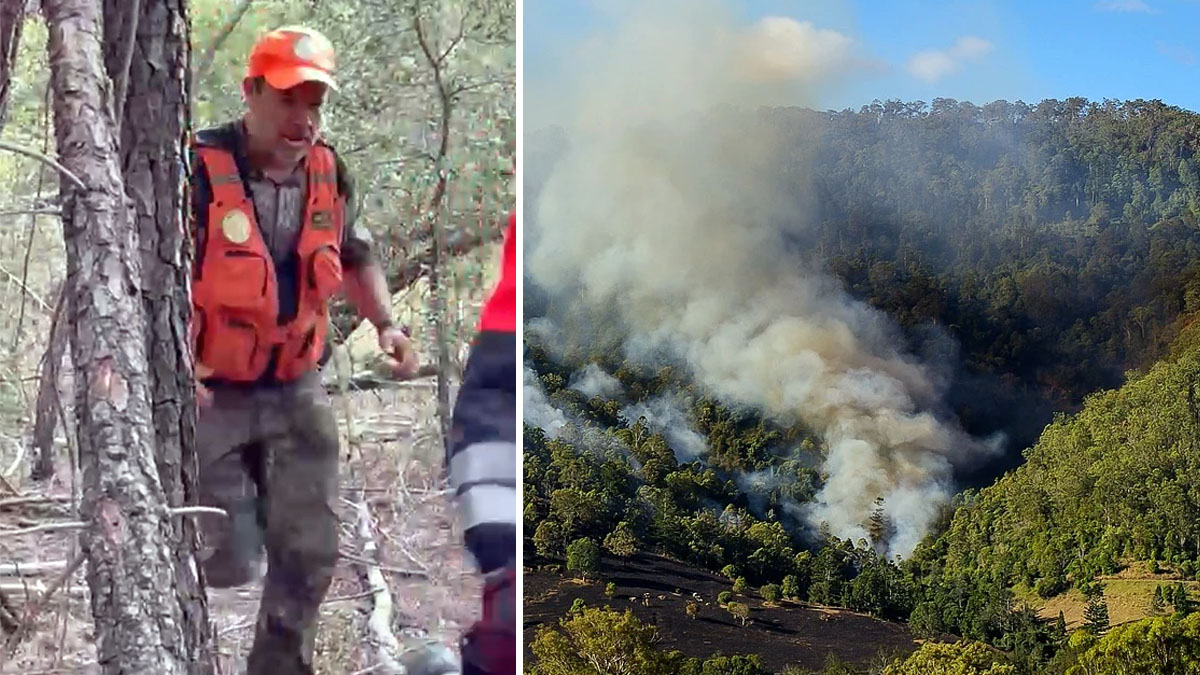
column 1040, row 255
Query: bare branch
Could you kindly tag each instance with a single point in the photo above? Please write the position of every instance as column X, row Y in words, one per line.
column 32, row 212
column 79, row 524
column 210, row 54
column 462, row 26
column 45, row 159
column 463, row 88
column 21, row 282
column 133, row 11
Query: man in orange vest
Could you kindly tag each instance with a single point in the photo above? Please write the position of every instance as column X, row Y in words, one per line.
column 275, row 238
column 481, row 460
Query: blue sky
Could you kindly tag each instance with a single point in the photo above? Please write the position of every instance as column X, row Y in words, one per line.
column 975, row 50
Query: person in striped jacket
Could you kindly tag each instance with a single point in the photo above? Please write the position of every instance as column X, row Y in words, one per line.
column 481, row 459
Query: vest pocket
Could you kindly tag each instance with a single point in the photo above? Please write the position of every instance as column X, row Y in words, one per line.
column 298, row 356
column 241, row 280
column 231, row 346
column 325, row 272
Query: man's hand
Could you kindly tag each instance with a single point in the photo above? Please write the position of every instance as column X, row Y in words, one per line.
column 204, row 396
column 396, row 344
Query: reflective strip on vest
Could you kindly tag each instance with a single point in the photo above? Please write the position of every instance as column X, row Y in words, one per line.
column 494, row 461
column 484, row 503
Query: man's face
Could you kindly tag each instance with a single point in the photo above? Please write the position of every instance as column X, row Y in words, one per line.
column 284, row 122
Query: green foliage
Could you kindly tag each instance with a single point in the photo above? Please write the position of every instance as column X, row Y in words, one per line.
column 583, row 556
column 1154, row 646
column 724, row 597
column 1067, row 511
column 610, row 589
column 1095, row 615
column 734, row 665
column 549, row 539
column 1181, row 600
column 621, row 542
column 791, row 587
column 739, row 585
column 959, row 658
column 577, row 606
column 739, row 610
column 770, row 592
column 598, row 642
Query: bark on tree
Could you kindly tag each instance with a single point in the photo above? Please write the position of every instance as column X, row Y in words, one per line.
column 12, row 15
column 138, row 622
column 153, row 72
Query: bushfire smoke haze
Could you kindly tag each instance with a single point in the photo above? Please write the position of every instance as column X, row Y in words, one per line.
column 665, row 207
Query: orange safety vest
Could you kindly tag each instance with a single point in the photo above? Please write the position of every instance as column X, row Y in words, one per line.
column 235, row 296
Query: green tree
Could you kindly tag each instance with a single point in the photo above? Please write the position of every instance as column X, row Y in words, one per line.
column 739, row 585
column 1181, row 600
column 548, row 539
column 610, row 589
column 734, row 665
column 1155, row 646
column 724, row 597
column 621, row 542
column 1095, row 615
column 770, row 592
column 1157, row 604
column 583, row 556
column 598, row 642
column 965, row 657
column 791, row 587
column 739, row 610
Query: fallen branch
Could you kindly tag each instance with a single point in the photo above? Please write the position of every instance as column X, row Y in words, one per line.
column 34, row 608
column 17, row 569
column 418, row 574
column 31, row 499
column 379, row 622
column 79, row 524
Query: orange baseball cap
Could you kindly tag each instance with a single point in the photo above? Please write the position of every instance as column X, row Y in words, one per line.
column 288, row 56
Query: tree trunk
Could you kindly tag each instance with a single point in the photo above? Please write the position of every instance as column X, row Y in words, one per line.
column 12, row 20
column 156, row 84
column 138, row 623
column 46, row 414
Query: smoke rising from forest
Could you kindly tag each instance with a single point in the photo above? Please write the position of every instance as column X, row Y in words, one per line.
column 665, row 208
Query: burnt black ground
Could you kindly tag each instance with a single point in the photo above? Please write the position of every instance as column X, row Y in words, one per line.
column 790, row 634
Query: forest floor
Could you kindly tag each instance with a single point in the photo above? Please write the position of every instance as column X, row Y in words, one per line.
column 658, row 590
column 395, row 458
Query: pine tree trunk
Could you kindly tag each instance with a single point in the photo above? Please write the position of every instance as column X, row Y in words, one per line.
column 156, row 119
column 138, row 622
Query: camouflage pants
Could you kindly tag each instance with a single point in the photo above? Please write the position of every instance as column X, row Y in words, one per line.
column 269, row 456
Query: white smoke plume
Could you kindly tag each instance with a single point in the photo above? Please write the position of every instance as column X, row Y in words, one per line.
column 665, row 416
column 591, row 380
column 665, row 207
column 537, row 410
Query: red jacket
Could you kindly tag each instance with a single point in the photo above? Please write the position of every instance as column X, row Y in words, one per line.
column 500, row 312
